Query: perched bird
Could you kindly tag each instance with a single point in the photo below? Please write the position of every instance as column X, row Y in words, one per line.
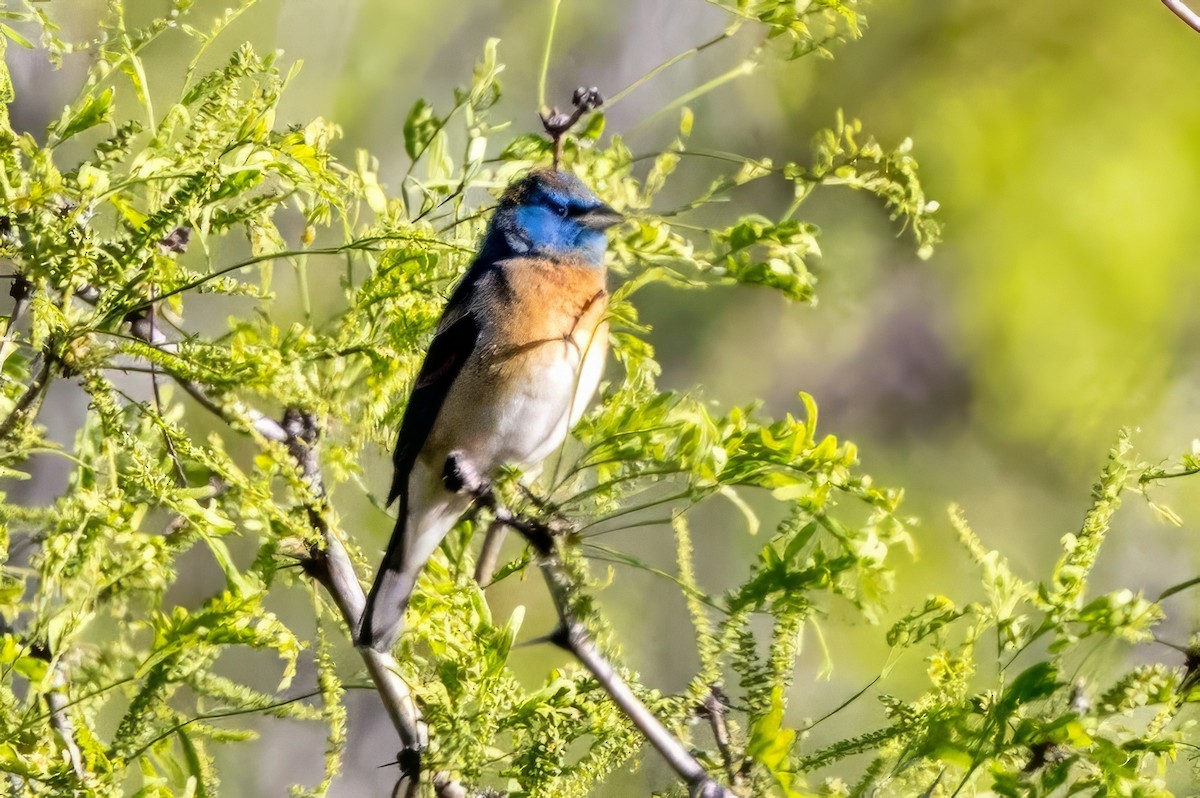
column 515, row 360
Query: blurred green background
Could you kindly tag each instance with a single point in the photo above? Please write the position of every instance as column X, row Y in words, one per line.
column 1062, row 141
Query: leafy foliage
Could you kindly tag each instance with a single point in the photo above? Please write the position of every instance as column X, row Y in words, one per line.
column 116, row 249
column 1047, row 725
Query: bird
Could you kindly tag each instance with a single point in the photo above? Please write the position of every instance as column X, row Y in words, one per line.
column 514, row 362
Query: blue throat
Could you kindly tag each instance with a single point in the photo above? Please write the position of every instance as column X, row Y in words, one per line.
column 531, row 231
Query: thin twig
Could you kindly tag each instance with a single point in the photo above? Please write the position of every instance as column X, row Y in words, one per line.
column 841, row 706
column 263, row 424
column 714, row 708
column 489, row 554
column 366, row 244
column 573, row 636
column 1179, row 588
column 1157, row 474
column 673, row 60
column 1181, row 10
column 142, row 327
column 229, row 713
column 545, row 71
column 152, row 313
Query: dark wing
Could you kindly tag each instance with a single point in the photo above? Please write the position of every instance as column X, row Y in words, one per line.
column 448, row 352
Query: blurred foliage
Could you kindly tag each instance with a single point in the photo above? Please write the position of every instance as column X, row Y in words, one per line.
column 110, row 254
column 1070, row 272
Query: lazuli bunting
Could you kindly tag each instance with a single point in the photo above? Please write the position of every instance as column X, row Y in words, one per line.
column 515, row 360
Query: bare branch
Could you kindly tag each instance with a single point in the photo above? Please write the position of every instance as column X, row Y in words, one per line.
column 263, row 424
column 331, row 567
column 573, row 636
column 1181, row 10
column 142, row 326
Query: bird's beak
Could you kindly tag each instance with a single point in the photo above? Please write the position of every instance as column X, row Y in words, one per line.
column 601, row 217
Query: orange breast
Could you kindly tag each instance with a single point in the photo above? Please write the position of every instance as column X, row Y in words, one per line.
column 545, row 311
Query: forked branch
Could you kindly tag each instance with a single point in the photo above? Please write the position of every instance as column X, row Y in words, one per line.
column 573, row 636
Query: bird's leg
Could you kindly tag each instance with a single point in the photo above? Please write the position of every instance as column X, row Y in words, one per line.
column 460, row 476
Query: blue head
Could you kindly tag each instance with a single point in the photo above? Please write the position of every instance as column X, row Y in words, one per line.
column 549, row 214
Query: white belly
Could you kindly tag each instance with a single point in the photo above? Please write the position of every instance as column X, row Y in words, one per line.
column 521, row 420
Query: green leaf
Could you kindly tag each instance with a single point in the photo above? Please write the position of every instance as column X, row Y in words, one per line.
column 420, row 126
column 95, row 110
column 770, row 743
column 1033, row 684
column 16, row 37
column 594, row 129
column 195, row 764
column 526, row 147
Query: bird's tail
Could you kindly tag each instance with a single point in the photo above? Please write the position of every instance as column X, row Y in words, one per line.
column 420, row 527
column 383, row 617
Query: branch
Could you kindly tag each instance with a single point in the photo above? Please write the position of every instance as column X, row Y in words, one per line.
column 715, row 705
column 37, row 387
column 489, row 554
column 573, row 636
column 331, row 567
column 142, row 327
column 1181, row 10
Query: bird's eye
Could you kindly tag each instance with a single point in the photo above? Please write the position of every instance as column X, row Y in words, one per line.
column 559, row 209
